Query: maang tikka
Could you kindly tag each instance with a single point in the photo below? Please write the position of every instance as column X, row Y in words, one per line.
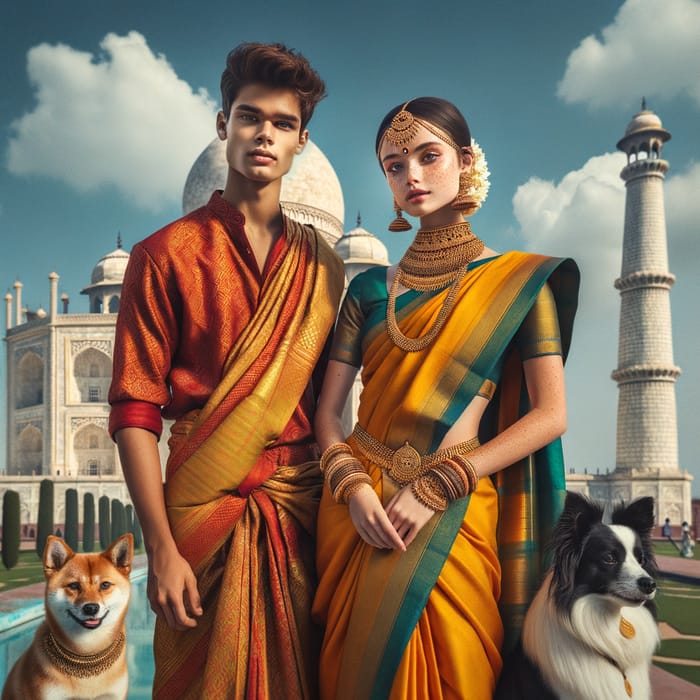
column 404, row 127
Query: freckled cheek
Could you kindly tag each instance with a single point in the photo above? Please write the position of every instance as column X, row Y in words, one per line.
column 444, row 179
column 394, row 187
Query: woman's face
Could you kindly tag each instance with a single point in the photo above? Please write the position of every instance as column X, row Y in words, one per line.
column 424, row 174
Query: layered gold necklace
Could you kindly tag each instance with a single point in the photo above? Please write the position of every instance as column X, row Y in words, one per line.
column 82, row 665
column 437, row 257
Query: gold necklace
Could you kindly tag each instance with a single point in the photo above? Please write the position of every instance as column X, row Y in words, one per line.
column 79, row 665
column 436, row 258
column 438, row 255
column 626, row 681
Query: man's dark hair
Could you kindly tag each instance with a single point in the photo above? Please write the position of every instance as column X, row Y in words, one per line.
column 274, row 65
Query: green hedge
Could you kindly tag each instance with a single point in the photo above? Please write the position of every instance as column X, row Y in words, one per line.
column 105, row 526
column 88, row 522
column 71, row 524
column 118, row 519
column 44, row 526
column 10, row 529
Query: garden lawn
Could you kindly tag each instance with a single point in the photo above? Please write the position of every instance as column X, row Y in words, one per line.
column 679, row 605
column 29, row 569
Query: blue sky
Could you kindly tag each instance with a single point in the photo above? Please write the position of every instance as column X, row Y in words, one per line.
column 104, row 106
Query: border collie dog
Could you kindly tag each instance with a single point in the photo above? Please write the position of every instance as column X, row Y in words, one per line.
column 591, row 630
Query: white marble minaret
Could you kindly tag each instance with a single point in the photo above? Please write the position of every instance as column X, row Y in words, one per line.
column 647, row 436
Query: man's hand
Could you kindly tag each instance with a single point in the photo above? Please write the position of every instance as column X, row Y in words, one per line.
column 172, row 589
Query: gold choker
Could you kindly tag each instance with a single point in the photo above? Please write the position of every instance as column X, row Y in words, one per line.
column 436, row 258
column 79, row 665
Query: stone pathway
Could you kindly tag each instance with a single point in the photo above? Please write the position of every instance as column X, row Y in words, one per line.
column 668, row 632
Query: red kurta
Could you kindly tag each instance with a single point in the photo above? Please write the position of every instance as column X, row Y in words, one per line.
column 189, row 291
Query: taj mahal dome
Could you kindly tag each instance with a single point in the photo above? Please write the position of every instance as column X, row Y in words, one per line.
column 59, row 363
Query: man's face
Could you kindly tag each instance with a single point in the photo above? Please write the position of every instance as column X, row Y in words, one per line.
column 262, row 132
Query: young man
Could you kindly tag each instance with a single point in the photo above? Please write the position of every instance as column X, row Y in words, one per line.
column 223, row 318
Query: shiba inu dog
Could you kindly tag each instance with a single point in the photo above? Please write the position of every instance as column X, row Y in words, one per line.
column 79, row 651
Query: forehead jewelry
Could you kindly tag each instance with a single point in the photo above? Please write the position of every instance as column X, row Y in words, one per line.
column 404, row 127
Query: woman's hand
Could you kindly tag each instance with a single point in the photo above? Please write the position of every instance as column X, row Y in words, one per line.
column 172, row 589
column 407, row 515
column 371, row 520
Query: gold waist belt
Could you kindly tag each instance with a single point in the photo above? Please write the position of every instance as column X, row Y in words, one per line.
column 406, row 464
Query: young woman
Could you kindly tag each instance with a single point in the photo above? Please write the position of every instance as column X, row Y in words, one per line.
column 421, row 534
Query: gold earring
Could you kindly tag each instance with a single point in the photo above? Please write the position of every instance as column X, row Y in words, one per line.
column 464, row 201
column 399, row 223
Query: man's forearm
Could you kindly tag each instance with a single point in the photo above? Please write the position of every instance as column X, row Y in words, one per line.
column 138, row 450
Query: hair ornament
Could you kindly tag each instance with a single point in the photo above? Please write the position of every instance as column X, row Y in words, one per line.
column 404, row 127
column 479, row 186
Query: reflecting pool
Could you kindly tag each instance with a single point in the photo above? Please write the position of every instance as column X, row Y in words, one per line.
column 140, row 621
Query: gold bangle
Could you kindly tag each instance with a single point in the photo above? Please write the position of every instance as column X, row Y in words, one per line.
column 454, row 480
column 428, row 491
column 350, row 485
column 330, row 452
column 456, row 476
column 344, row 470
column 351, row 489
column 470, row 471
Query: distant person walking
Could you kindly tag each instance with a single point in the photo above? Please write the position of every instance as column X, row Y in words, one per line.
column 666, row 529
column 686, row 541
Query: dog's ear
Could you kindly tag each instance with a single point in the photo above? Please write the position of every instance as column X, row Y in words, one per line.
column 638, row 515
column 121, row 553
column 579, row 515
column 574, row 524
column 56, row 554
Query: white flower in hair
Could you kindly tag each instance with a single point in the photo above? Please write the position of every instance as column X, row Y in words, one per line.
column 479, row 175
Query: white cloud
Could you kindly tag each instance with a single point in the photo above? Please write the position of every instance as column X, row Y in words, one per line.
column 651, row 49
column 582, row 216
column 123, row 119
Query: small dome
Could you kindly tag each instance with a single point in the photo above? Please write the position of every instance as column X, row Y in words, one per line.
column 644, row 134
column 360, row 246
column 111, row 267
column 643, row 121
column 311, row 191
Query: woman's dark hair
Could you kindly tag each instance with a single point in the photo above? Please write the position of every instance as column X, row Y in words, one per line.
column 273, row 65
column 441, row 113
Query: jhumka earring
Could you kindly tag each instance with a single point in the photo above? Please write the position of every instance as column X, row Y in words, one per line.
column 465, row 201
column 399, row 223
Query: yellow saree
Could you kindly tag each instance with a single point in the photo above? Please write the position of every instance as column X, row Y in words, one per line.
column 252, row 548
column 426, row 623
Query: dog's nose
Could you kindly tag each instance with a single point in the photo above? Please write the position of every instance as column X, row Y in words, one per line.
column 91, row 609
column 646, row 585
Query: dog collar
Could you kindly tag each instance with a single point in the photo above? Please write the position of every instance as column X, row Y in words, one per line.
column 82, row 666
